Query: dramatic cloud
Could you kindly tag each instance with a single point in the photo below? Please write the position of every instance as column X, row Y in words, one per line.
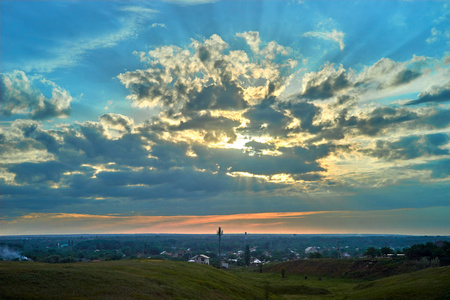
column 216, row 121
column 412, row 147
column 387, row 73
column 324, row 83
column 20, row 96
column 117, row 123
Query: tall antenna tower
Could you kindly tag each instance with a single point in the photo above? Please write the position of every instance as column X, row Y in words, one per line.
column 220, row 233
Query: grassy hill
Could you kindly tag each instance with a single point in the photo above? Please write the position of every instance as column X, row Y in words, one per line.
column 152, row 279
column 346, row 268
column 433, row 283
column 126, row 279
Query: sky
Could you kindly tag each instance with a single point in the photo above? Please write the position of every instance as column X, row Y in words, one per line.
column 314, row 117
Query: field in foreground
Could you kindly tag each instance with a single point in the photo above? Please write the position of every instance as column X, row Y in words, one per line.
column 125, row 279
column 151, row 279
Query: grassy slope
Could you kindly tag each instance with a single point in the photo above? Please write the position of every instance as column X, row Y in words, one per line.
column 127, row 279
column 296, row 287
column 345, row 268
column 150, row 279
column 433, row 283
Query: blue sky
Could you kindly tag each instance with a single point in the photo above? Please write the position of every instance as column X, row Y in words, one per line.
column 257, row 116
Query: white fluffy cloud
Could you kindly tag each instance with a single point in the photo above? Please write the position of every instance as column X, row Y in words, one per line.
column 178, row 73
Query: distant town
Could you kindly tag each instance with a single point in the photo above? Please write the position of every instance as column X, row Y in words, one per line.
column 235, row 249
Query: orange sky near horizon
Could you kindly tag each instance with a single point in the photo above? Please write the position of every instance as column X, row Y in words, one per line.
column 312, row 222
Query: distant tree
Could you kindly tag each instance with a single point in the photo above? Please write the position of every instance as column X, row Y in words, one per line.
column 53, row 259
column 247, row 255
column 430, row 251
column 372, row 252
column 315, row 255
column 68, row 259
column 418, row 251
column 386, row 250
column 435, row 262
column 220, row 233
column 422, row 263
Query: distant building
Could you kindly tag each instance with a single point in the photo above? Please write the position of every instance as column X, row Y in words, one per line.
column 200, row 259
column 267, row 253
column 180, row 253
column 311, row 250
column 346, row 255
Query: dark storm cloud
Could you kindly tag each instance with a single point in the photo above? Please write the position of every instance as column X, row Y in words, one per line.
column 436, row 95
column 412, row 147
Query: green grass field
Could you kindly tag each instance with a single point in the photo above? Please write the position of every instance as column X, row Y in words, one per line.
column 433, row 283
column 152, row 279
column 125, row 279
column 346, row 268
